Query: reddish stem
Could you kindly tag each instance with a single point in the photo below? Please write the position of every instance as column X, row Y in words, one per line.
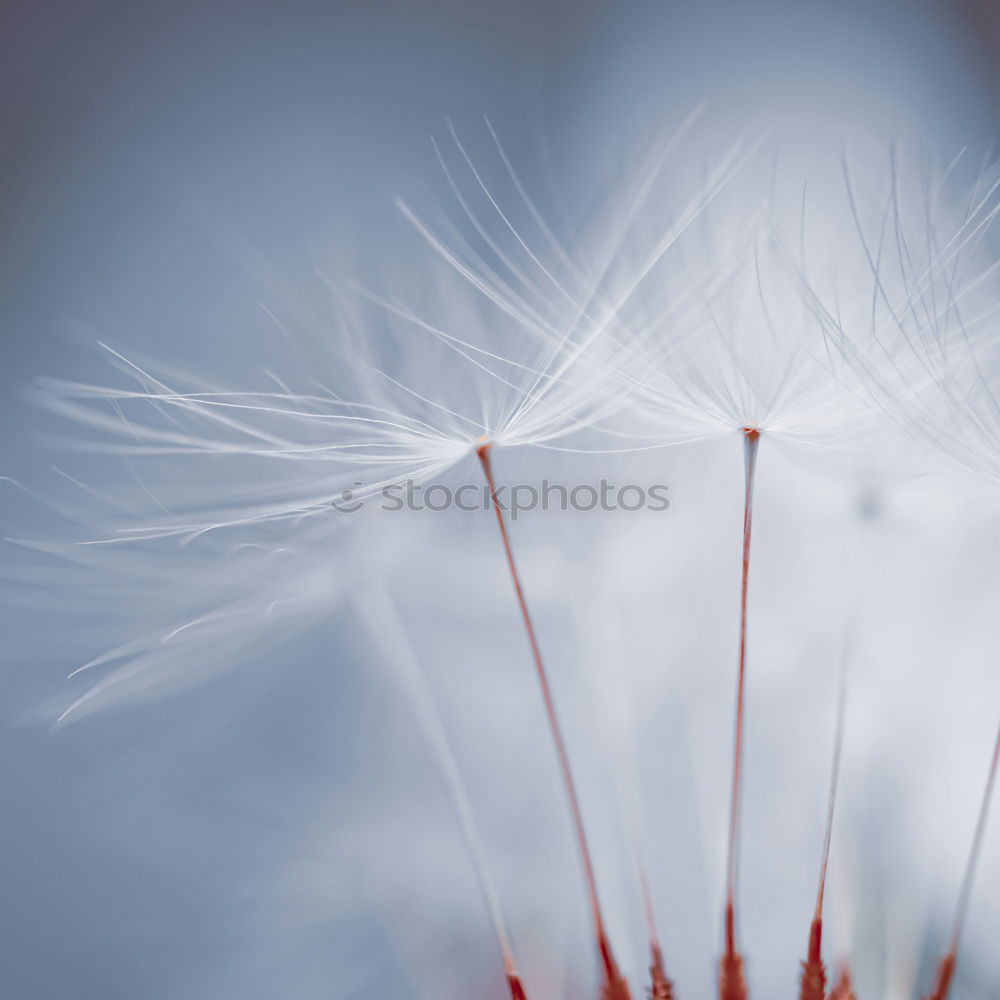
column 838, row 747
column 813, row 985
column 945, row 973
column 946, row 968
column 661, row 986
column 516, row 986
column 732, row 982
column 732, row 985
column 751, row 439
column 614, row 986
column 844, row 989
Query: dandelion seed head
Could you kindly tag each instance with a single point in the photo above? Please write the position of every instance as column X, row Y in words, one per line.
column 715, row 334
column 394, row 390
column 924, row 352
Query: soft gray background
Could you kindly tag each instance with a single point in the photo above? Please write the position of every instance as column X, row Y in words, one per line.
column 165, row 168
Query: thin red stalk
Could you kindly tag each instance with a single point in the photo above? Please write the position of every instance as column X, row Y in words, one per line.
column 844, row 989
column 838, row 746
column 946, row 968
column 514, row 984
column 661, row 986
column 647, row 905
column 813, row 986
column 516, row 987
column 615, row 987
column 732, row 984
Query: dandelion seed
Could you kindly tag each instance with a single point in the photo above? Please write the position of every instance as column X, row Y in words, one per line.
column 749, row 368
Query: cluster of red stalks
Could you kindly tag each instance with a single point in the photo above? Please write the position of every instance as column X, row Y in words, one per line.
column 732, row 980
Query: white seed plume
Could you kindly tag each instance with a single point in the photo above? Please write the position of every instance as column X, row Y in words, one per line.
column 925, row 349
column 481, row 347
column 734, row 345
